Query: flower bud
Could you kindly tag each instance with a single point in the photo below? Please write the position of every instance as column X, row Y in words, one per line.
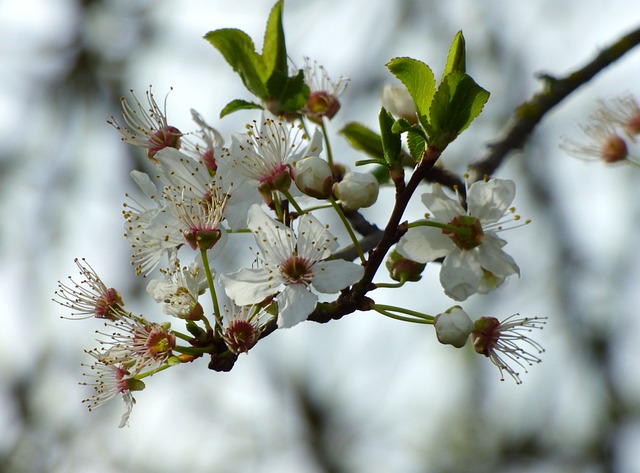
column 357, row 190
column 453, row 327
column 398, row 101
column 403, row 269
column 314, row 177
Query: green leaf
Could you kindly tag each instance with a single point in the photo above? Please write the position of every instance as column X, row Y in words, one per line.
column 416, row 144
column 419, row 80
column 238, row 104
column 274, row 49
column 289, row 94
column 364, row 139
column 239, row 51
column 456, row 103
column 391, row 142
column 456, row 58
column 404, row 126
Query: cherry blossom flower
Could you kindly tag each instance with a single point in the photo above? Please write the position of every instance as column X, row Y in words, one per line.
column 109, row 380
column 473, row 257
column 292, row 265
column 601, row 142
column 137, row 343
column 267, row 154
column 506, row 341
column 243, row 327
column 180, row 289
column 146, row 126
column 91, row 297
column 324, row 93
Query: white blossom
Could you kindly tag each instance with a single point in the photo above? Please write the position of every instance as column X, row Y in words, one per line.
column 266, row 153
column 292, row 265
column 473, row 257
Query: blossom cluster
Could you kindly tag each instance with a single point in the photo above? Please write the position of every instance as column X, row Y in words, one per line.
column 269, row 182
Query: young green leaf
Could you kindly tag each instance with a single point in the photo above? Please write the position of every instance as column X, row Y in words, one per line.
column 391, row 142
column 239, row 51
column 274, row 49
column 416, row 144
column 288, row 94
column 419, row 80
column 238, row 104
column 456, row 103
column 456, row 58
column 364, row 139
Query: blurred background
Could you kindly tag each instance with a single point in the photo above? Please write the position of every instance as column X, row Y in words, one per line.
column 364, row 394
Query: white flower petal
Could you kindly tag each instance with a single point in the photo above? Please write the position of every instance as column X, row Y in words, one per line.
column 315, row 242
column 423, row 244
column 460, row 275
column 129, row 401
column 243, row 196
column 276, row 241
column 331, row 276
column 144, row 183
column 442, row 207
column 489, row 200
column 250, row 286
column 295, row 303
column 493, row 259
column 183, row 172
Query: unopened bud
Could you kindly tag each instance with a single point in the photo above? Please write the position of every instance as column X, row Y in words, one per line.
column 403, row 269
column 314, row 177
column 397, row 100
column 453, row 327
column 357, row 190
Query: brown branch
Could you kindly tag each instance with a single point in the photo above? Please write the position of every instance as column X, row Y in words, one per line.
column 521, row 124
column 527, row 116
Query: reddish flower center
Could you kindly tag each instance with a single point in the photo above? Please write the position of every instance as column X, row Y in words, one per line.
column 614, row 149
column 297, row 270
column 322, row 104
column 633, row 125
column 159, row 342
column 166, row 137
column 240, row 336
column 467, row 234
column 485, row 335
column 107, row 304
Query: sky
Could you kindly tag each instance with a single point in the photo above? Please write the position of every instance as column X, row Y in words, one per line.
column 387, row 395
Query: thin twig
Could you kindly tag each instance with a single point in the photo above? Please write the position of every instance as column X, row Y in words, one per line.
column 527, row 116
